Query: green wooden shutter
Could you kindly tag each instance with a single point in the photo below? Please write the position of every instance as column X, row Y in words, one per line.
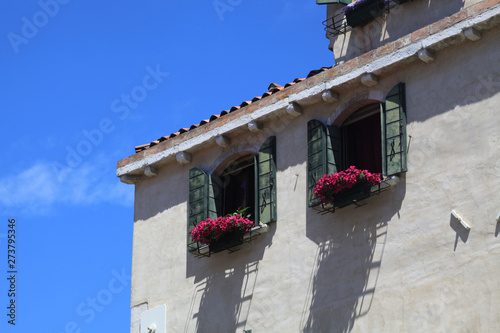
column 316, row 157
column 393, row 118
column 203, row 195
column 323, row 154
column 265, row 182
column 333, row 146
column 214, row 197
column 198, row 201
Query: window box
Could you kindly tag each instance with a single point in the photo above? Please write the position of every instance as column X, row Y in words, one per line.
column 352, row 195
column 346, row 187
column 355, row 195
column 223, row 232
column 362, row 12
column 204, row 250
column 227, row 241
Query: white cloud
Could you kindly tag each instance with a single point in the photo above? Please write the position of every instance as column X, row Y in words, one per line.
column 39, row 187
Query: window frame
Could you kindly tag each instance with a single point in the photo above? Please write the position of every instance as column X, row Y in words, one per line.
column 393, row 142
column 204, row 191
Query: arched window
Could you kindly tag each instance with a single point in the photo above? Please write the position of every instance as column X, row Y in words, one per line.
column 248, row 181
column 372, row 138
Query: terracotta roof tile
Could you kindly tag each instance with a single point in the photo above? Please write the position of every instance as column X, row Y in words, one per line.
column 294, row 82
column 274, row 86
column 317, row 71
column 272, row 89
column 141, row 147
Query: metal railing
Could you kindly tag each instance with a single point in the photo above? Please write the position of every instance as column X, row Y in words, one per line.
column 337, row 24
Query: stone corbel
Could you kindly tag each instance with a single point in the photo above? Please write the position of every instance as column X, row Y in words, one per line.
column 127, row 179
column 472, row 34
column 150, row 171
column 294, row 109
column 369, row 79
column 183, row 158
column 254, row 126
column 223, row 141
column 426, row 55
column 330, row 96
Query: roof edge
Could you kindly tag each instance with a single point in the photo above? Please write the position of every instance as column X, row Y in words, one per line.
column 376, row 62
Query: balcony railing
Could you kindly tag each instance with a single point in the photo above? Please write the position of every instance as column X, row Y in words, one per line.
column 339, row 24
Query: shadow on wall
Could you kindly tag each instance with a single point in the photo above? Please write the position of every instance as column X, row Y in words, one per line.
column 461, row 232
column 155, row 195
column 350, row 250
column 225, row 284
column 462, row 83
column 394, row 25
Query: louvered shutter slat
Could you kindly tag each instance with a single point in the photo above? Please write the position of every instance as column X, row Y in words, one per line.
column 393, row 118
column 265, row 191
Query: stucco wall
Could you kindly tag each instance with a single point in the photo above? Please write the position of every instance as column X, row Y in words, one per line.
column 400, row 263
column 401, row 21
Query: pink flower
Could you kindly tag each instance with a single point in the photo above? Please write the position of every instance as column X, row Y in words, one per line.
column 328, row 186
column 212, row 230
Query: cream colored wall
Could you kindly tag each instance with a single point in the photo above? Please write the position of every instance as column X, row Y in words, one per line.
column 399, row 22
column 400, row 263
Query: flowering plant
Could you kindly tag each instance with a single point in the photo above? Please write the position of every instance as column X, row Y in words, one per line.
column 329, row 186
column 358, row 3
column 211, row 230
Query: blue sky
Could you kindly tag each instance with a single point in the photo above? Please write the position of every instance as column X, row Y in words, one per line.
column 68, row 69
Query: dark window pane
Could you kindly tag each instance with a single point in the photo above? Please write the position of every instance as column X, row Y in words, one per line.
column 362, row 144
column 239, row 187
